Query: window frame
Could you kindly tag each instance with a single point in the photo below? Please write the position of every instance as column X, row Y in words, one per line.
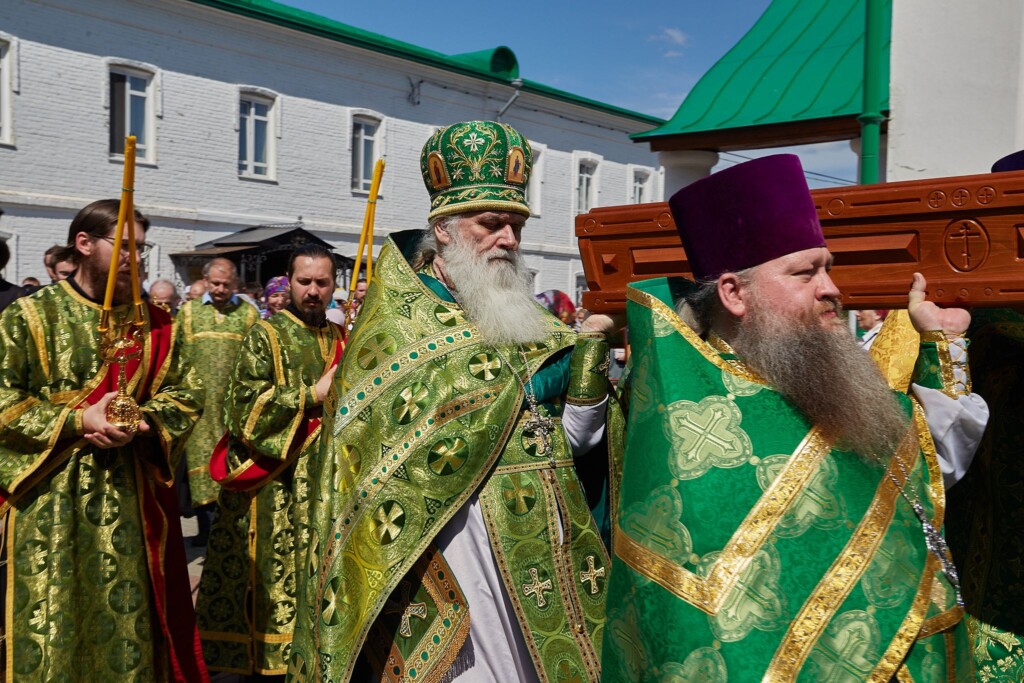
column 362, row 116
column 535, row 186
column 576, row 289
column 594, row 191
column 272, row 100
column 634, row 172
column 146, row 151
column 9, row 50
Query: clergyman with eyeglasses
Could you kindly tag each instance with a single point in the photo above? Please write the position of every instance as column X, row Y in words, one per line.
column 93, row 569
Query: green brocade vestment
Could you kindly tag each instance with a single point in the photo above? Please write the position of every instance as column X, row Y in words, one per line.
column 77, row 575
column 747, row 548
column 986, row 508
column 210, row 339
column 425, row 414
column 260, row 532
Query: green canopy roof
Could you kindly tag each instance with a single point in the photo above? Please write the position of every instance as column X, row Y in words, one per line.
column 497, row 64
column 795, row 77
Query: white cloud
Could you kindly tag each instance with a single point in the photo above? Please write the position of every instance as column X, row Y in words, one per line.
column 672, row 53
column 676, row 36
column 671, row 35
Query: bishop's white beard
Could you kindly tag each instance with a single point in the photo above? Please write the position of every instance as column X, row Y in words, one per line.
column 495, row 291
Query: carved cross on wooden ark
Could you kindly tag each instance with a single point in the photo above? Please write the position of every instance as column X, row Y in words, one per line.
column 964, row 233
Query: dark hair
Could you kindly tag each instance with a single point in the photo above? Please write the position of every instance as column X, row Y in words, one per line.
column 314, row 251
column 5, row 254
column 96, row 220
column 50, row 253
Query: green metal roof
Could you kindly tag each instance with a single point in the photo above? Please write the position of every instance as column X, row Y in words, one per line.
column 498, row 64
column 803, row 60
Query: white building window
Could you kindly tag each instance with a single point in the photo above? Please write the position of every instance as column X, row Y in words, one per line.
column 579, row 286
column 365, row 151
column 640, row 189
column 131, row 111
column 5, row 92
column 585, row 180
column 255, row 137
column 536, row 181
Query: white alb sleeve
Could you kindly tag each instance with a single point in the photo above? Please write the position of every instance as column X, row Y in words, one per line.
column 956, row 426
column 584, row 425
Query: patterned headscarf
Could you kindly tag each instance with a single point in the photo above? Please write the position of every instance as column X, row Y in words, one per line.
column 275, row 285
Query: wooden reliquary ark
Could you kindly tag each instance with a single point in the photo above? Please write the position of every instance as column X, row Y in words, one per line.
column 965, row 234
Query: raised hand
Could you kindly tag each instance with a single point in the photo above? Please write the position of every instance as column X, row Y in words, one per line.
column 927, row 316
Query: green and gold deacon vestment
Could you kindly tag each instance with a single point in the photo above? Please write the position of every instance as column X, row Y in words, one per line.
column 88, row 556
column 746, row 547
column 426, row 415
column 986, row 508
column 210, row 339
column 246, row 603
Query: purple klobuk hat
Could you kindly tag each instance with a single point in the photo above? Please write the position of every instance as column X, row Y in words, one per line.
column 746, row 215
column 1011, row 162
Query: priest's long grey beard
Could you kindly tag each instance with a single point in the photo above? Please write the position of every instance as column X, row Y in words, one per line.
column 495, row 291
column 827, row 376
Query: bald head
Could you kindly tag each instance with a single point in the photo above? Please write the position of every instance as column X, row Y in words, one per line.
column 196, row 290
column 163, row 293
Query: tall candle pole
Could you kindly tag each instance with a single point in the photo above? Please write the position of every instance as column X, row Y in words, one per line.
column 122, row 341
column 365, row 240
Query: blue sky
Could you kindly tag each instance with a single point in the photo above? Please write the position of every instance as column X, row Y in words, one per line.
column 642, row 55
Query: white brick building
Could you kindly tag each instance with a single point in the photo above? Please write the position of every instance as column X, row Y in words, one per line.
column 187, row 75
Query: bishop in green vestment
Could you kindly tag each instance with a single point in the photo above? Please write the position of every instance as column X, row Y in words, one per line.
column 211, row 330
column 779, row 507
column 92, row 567
column 272, row 408
column 451, row 536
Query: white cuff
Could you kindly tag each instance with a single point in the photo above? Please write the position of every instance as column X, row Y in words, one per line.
column 584, row 425
column 956, row 425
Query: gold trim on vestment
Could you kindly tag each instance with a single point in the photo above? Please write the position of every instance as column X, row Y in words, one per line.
column 233, row 336
column 903, row 675
column 533, row 466
column 7, row 642
column 38, row 332
column 19, row 409
column 949, row 640
column 936, row 486
column 63, row 397
column 666, row 313
column 846, row 570
column 563, row 562
column 941, row 622
column 908, row 631
column 709, row 593
column 502, row 562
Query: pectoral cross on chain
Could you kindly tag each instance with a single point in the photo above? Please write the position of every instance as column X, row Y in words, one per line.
column 542, row 427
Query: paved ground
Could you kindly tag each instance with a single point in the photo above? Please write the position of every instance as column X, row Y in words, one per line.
column 196, row 556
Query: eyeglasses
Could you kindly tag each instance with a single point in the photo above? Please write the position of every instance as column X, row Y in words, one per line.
column 142, row 249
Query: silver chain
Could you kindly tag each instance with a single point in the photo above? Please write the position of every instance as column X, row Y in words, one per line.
column 540, row 425
column 933, row 538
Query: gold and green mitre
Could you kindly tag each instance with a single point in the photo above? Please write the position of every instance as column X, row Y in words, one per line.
column 747, row 547
column 476, row 166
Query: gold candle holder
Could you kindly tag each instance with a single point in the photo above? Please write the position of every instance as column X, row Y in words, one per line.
column 121, row 344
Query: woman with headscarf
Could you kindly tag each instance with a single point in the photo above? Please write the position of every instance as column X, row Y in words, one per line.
column 277, row 294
